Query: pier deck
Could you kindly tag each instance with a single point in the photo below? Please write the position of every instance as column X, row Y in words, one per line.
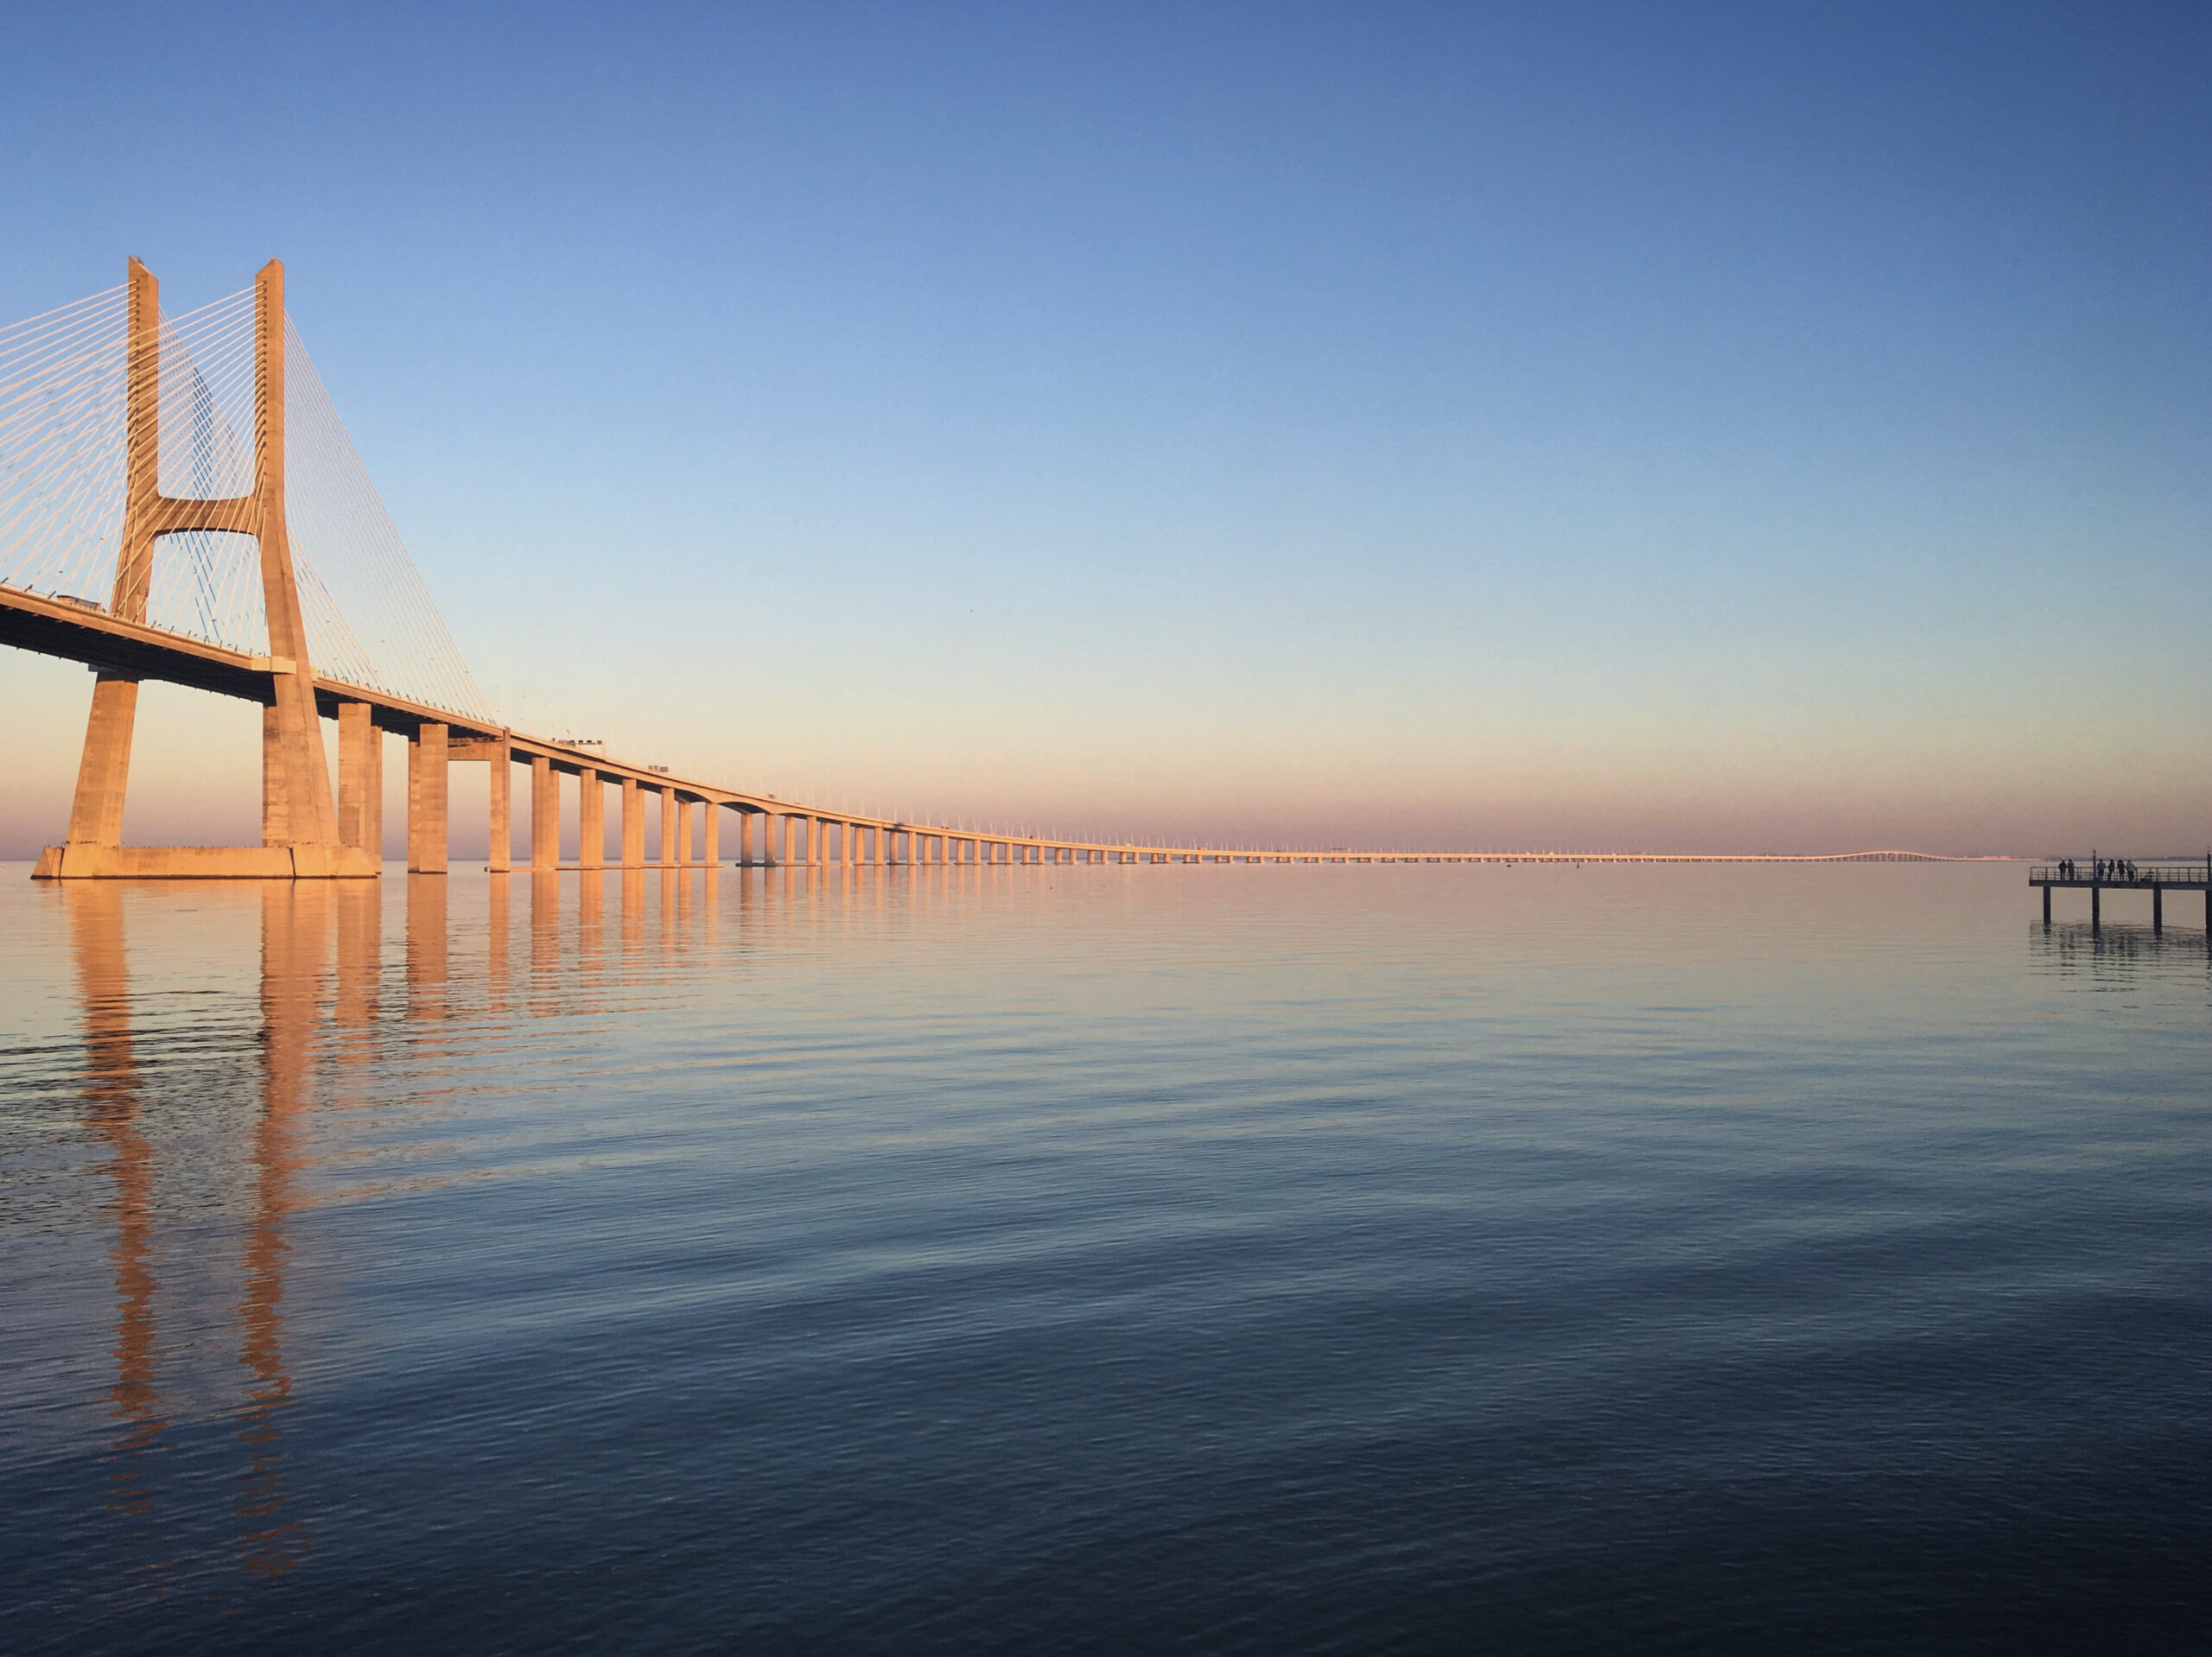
column 2099, row 875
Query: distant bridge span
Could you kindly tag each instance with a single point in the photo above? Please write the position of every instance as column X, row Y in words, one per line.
column 123, row 431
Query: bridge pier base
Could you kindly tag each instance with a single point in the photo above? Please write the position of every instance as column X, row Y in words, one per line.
column 544, row 815
column 425, row 800
column 633, row 824
column 361, row 779
column 591, row 819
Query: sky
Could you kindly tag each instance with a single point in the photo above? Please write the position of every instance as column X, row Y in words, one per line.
column 1667, row 427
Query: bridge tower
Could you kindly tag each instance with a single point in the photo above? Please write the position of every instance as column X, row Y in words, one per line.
column 299, row 821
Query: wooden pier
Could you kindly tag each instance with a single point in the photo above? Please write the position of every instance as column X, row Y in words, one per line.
column 2098, row 875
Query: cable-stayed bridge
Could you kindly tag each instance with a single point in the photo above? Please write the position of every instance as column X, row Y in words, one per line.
column 180, row 502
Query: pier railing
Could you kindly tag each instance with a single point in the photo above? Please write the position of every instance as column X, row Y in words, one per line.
column 2111, row 873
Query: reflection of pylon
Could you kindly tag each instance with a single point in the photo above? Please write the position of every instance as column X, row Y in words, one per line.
column 299, row 823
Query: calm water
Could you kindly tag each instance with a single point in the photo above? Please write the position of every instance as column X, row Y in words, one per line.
column 1338, row 1259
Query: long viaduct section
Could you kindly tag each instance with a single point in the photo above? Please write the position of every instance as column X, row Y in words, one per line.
column 125, row 432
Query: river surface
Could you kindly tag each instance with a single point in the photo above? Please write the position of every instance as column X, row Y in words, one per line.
column 1307, row 1259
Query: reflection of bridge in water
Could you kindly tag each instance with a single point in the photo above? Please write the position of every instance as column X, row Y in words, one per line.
column 348, row 992
column 194, row 470
column 119, row 1094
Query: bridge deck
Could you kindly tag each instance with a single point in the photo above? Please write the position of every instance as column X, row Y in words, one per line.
column 79, row 630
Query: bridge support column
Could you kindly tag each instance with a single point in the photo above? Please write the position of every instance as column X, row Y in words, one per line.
column 710, row 836
column 591, row 820
column 682, row 830
column 361, row 779
column 425, row 800
column 276, row 805
column 633, row 824
column 544, row 815
column 104, row 774
column 745, row 838
column 499, row 826
column 667, row 825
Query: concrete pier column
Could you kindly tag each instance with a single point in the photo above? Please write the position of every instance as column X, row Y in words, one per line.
column 881, row 838
column 710, row 836
column 591, row 820
column 361, row 779
column 275, row 804
column 2096, row 907
column 667, row 825
column 2157, row 908
column 425, row 800
column 745, row 838
column 544, row 815
column 499, row 844
column 2046, row 905
column 682, row 830
column 633, row 825
column 104, row 774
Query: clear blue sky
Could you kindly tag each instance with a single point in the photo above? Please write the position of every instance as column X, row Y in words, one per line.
column 1729, row 425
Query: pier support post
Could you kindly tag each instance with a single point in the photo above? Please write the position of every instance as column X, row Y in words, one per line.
column 2157, row 908
column 633, row 825
column 361, row 779
column 668, row 810
column 499, row 833
column 2046, row 905
column 544, row 815
column 276, row 806
column 104, row 774
column 2096, row 907
column 710, row 836
column 683, row 831
column 425, row 800
column 591, row 820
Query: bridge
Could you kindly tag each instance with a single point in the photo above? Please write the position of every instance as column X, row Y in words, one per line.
column 180, row 502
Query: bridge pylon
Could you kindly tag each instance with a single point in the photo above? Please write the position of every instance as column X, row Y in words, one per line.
column 300, row 836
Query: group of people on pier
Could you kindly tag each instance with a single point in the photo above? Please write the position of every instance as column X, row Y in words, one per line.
column 2101, row 868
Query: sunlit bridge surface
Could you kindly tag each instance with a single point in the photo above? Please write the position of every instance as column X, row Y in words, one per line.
column 1100, row 1259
